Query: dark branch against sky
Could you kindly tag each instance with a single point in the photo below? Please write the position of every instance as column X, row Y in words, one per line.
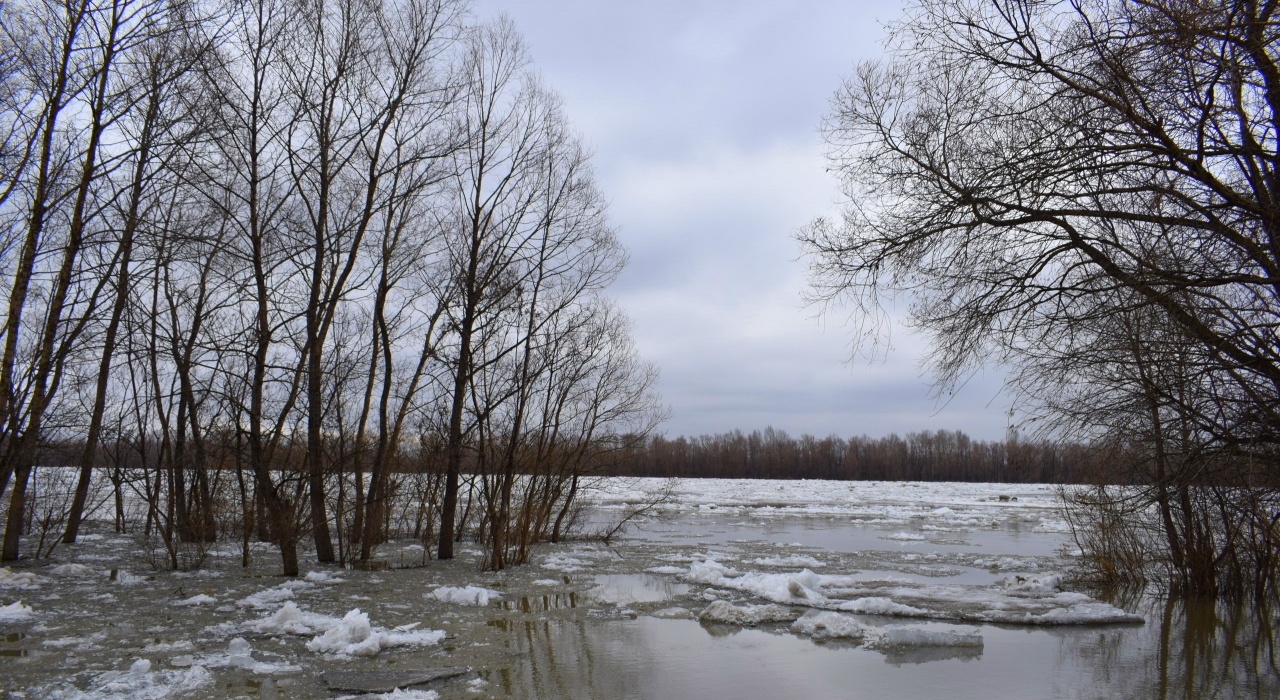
column 703, row 117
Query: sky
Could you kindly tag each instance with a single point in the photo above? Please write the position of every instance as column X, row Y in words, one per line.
column 703, row 118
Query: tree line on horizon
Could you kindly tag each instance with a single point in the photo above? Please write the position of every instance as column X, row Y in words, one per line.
column 940, row 455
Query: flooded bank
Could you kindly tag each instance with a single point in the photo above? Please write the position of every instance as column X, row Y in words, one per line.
column 808, row 605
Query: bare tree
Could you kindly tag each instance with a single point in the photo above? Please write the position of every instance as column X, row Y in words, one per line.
column 1030, row 172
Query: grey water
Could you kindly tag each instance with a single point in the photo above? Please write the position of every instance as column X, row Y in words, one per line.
column 615, row 629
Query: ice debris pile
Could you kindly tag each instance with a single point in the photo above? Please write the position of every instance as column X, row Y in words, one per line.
column 1031, row 600
column 350, row 635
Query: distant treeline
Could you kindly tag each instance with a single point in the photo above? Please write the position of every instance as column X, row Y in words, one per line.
column 924, row 456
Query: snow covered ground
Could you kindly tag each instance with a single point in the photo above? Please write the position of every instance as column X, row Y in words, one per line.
column 875, row 572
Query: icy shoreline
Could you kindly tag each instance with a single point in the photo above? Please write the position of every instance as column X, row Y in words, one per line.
column 97, row 622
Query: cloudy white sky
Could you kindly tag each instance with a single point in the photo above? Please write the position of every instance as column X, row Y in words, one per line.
column 703, row 116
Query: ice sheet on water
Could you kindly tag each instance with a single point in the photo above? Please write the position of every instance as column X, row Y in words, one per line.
column 323, row 577
column 666, row 569
column 904, row 537
column 790, row 561
column 905, row 636
column 80, row 643
column 138, row 683
column 823, row 624
column 355, row 636
column 16, row 612
column 350, row 635
column 727, row 613
column 407, row 694
column 239, row 654
column 290, row 619
column 76, row 570
column 124, row 578
column 1019, row 600
column 875, row 605
column 199, row 599
column 268, row 598
column 971, row 504
column 465, row 595
column 18, row 579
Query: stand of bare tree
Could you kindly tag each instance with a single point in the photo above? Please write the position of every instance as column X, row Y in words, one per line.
column 1088, row 193
column 301, row 271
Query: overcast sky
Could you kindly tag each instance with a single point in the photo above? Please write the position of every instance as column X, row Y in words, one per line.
column 703, row 117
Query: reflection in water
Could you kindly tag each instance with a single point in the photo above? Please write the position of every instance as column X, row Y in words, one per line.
column 1190, row 649
column 542, row 603
column 924, row 655
column 575, row 658
column 626, row 589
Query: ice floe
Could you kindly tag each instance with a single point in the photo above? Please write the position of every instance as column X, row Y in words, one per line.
column 1016, row 600
column 465, row 595
column 270, row 597
column 138, row 683
column 824, row 624
column 199, row 599
column 727, row 613
column 18, row 579
column 16, row 612
column 351, row 635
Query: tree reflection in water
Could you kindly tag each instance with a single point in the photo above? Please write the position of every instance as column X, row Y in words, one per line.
column 1193, row 649
column 570, row 658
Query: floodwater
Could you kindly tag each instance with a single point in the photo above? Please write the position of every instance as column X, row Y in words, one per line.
column 589, row 621
column 1182, row 652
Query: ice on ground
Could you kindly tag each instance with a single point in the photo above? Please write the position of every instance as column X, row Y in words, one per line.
column 466, row 595
column 1018, row 600
column 18, row 579
column 676, row 613
column 828, row 625
column 355, row 636
column 554, row 582
column 138, row 683
column 728, row 613
column 200, row 599
column 790, row 561
column 477, row 685
column 16, row 612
